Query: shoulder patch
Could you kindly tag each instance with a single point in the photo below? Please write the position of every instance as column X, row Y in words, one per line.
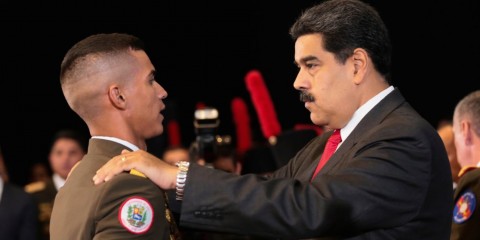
column 35, row 187
column 136, row 215
column 464, row 207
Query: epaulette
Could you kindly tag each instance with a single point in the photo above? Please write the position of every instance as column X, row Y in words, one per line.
column 35, row 187
column 465, row 170
column 71, row 169
column 137, row 173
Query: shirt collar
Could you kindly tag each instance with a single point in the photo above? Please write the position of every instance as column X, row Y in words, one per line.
column 57, row 181
column 362, row 111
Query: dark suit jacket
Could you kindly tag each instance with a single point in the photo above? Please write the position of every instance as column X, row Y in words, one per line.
column 84, row 211
column 390, row 179
column 468, row 229
column 18, row 214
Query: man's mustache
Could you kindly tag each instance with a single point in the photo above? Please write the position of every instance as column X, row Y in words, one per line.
column 306, row 97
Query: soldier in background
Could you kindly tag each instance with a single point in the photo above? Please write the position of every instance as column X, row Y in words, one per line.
column 68, row 147
column 466, row 127
column 17, row 208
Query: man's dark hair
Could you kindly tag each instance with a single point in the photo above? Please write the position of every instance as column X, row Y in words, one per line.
column 73, row 135
column 103, row 43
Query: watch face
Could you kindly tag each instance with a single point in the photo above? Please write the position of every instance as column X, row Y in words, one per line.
column 206, row 113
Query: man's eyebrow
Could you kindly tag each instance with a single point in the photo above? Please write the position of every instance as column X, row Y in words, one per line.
column 305, row 59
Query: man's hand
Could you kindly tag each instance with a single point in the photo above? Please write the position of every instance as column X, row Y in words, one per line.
column 161, row 173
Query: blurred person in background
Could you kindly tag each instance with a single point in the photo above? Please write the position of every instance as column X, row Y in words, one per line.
column 40, row 172
column 466, row 128
column 68, row 147
column 446, row 134
column 17, row 209
column 174, row 154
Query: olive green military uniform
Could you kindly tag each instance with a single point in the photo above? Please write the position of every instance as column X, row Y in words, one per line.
column 466, row 212
column 44, row 195
column 126, row 207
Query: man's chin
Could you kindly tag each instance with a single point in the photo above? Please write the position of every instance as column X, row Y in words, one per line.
column 316, row 120
column 156, row 132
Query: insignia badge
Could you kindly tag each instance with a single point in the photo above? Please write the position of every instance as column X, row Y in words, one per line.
column 464, row 207
column 136, row 215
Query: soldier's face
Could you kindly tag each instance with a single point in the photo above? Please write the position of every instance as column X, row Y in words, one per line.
column 145, row 98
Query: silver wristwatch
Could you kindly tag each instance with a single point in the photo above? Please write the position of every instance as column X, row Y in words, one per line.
column 181, row 178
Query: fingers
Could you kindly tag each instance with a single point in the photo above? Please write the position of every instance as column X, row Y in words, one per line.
column 140, row 160
column 113, row 167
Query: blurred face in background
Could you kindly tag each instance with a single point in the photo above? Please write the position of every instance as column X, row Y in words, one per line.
column 39, row 172
column 173, row 156
column 64, row 155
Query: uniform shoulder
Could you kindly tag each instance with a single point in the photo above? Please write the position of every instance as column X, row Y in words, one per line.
column 125, row 186
column 131, row 179
column 35, row 187
column 471, row 170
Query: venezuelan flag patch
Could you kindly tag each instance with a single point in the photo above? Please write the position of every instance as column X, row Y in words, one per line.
column 136, row 215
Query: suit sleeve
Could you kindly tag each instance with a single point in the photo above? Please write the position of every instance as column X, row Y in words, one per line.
column 364, row 195
column 131, row 207
column 291, row 169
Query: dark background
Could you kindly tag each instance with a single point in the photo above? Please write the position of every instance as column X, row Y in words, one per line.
column 202, row 51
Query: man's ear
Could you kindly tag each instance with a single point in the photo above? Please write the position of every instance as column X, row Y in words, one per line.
column 360, row 64
column 117, row 97
column 466, row 130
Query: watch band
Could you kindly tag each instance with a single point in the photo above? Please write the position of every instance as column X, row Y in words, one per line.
column 181, row 178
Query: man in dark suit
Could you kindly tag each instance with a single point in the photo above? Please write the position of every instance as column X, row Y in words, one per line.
column 109, row 81
column 17, row 210
column 389, row 177
column 466, row 127
column 68, row 147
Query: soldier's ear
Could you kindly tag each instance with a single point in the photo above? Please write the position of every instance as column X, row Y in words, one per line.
column 466, row 131
column 117, row 97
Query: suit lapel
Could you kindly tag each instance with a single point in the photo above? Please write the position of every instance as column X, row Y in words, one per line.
column 308, row 159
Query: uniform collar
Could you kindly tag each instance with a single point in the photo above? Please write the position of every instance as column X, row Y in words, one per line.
column 118, row 140
column 465, row 170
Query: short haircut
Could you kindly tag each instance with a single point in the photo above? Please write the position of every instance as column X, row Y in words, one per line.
column 469, row 107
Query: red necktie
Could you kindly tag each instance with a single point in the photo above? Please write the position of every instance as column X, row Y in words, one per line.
column 330, row 148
